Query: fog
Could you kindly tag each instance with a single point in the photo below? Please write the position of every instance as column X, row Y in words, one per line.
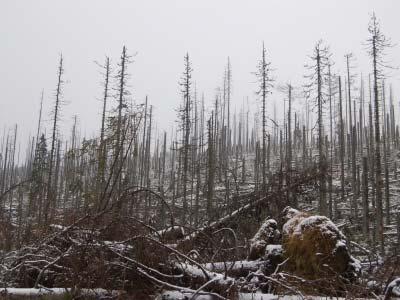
column 158, row 34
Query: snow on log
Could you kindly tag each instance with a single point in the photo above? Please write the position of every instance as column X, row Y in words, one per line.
column 196, row 277
column 273, row 257
column 175, row 295
column 32, row 293
column 393, row 289
column 172, row 233
column 240, row 268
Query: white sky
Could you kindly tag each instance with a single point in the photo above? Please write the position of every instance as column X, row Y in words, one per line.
column 34, row 33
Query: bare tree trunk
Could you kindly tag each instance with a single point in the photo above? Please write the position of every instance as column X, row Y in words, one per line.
column 331, row 144
column 322, row 161
column 103, row 147
column 211, row 169
column 50, row 197
column 386, row 150
column 289, row 146
column 378, row 165
column 365, row 226
column 186, row 125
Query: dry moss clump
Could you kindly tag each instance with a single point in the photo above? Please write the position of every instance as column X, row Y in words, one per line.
column 316, row 248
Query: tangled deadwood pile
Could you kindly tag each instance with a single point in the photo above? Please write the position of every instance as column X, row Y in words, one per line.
column 82, row 256
column 124, row 253
column 88, row 256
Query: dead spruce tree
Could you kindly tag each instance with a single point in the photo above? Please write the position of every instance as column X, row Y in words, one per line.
column 289, row 150
column 185, row 116
column 331, row 206
column 39, row 160
column 342, row 146
column 352, row 135
column 288, row 90
column 102, row 159
column 264, row 78
column 377, row 43
column 320, row 61
column 122, row 92
column 50, row 197
column 210, row 167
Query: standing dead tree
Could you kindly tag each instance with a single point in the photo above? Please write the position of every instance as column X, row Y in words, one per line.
column 352, row 129
column 210, row 167
column 185, row 115
column 315, row 89
column 342, row 145
column 263, row 74
column 102, row 160
column 377, row 43
column 121, row 118
column 50, row 197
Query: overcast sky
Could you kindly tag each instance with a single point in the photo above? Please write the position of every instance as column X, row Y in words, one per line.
column 35, row 32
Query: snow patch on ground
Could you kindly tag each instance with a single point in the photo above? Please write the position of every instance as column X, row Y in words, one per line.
column 54, row 291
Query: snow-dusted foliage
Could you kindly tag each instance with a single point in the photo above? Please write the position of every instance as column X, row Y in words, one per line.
column 267, row 234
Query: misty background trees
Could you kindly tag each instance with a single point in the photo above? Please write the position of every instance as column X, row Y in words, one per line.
column 333, row 150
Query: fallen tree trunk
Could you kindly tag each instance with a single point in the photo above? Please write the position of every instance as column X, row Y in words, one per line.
column 213, row 281
column 255, row 200
column 240, row 268
column 39, row 293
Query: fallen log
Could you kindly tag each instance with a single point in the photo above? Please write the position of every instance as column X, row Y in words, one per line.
column 172, row 233
column 39, row 293
column 240, row 268
column 255, row 200
column 393, row 289
column 213, row 281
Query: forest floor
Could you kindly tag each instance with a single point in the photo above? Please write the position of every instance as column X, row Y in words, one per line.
column 230, row 235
